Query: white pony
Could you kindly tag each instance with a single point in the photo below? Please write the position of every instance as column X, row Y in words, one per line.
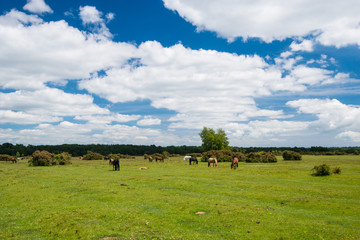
column 187, row 157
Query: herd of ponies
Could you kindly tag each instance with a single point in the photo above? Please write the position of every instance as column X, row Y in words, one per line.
column 234, row 164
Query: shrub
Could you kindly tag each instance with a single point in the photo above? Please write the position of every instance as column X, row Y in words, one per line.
column 321, row 170
column 222, row 155
column 125, row 156
column 42, row 158
column 5, row 157
column 291, row 155
column 336, row 170
column 260, row 157
column 93, row 156
column 63, row 158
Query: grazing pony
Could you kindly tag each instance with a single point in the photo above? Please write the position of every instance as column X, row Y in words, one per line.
column 161, row 159
column 187, row 157
column 193, row 159
column 13, row 160
column 150, row 158
column 235, row 163
column 116, row 164
column 213, row 161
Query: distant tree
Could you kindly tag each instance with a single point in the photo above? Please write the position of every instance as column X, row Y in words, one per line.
column 212, row 140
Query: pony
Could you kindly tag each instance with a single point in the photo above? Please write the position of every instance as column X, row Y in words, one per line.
column 213, row 161
column 193, row 159
column 13, row 160
column 161, row 159
column 187, row 157
column 116, row 164
column 235, row 163
column 150, row 158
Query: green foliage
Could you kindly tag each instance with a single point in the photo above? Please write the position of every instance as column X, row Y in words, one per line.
column 5, row 157
column 321, row 170
column 63, row 158
column 222, row 155
column 93, row 156
column 291, row 155
column 260, row 157
column 42, row 158
column 336, row 170
column 118, row 156
column 212, row 140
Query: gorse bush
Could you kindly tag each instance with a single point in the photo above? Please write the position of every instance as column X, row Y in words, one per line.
column 260, row 157
column 93, row 156
column 291, row 155
column 336, row 170
column 63, row 158
column 42, row 158
column 222, row 155
column 5, row 157
column 321, row 170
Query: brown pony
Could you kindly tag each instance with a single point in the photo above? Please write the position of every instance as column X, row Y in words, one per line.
column 150, row 158
column 161, row 159
column 13, row 160
column 235, row 163
column 213, row 161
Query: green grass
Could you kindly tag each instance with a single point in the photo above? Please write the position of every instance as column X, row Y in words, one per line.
column 87, row 200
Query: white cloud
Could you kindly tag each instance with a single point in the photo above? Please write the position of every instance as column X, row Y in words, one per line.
column 8, row 116
column 332, row 114
column 334, row 22
column 148, row 121
column 37, row 6
column 110, row 17
column 16, row 18
column 107, row 119
column 51, row 102
column 90, row 16
column 203, row 85
column 52, row 52
column 305, row 45
column 350, row 135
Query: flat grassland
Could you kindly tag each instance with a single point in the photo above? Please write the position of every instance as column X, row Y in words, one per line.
column 172, row 200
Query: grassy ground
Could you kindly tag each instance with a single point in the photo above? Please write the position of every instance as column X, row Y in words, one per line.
column 87, row 200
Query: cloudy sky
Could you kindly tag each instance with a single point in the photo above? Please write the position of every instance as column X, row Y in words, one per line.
column 270, row 73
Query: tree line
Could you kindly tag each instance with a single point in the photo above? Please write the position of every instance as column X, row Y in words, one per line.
column 139, row 150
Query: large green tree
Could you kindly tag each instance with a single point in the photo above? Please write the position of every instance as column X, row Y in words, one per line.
column 212, row 140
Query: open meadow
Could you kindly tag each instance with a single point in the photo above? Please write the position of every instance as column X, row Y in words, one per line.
column 172, row 200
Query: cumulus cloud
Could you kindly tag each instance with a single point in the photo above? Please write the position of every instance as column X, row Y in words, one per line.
column 204, row 87
column 8, row 116
column 149, row 121
column 331, row 113
column 306, row 46
column 37, row 6
column 350, row 135
column 332, row 22
column 92, row 17
column 52, row 52
column 50, row 101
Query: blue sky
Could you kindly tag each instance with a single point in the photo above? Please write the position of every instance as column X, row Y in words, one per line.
column 279, row 73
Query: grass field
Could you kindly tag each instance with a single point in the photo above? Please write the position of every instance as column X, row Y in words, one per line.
column 87, row 200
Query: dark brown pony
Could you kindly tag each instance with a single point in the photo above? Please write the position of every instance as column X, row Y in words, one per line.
column 161, row 159
column 235, row 163
column 150, row 158
column 13, row 160
column 193, row 159
column 116, row 164
column 213, row 161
